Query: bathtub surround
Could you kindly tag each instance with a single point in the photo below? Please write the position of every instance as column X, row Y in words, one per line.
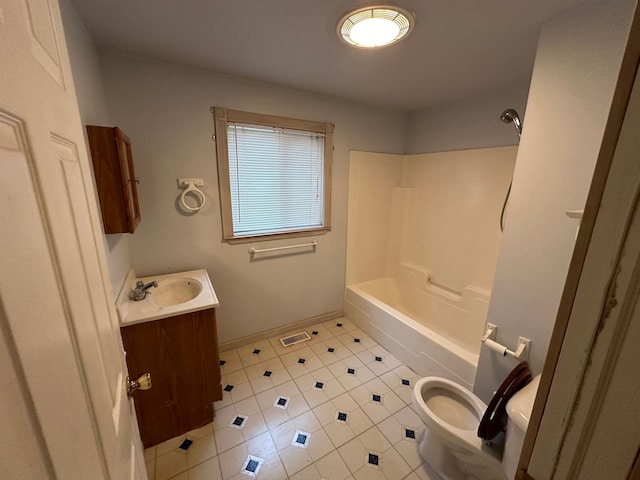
column 576, row 68
column 439, row 211
column 422, row 244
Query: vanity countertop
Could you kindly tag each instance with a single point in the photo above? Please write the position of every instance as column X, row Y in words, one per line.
column 131, row 312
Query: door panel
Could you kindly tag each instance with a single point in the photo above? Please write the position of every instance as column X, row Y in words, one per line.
column 56, row 306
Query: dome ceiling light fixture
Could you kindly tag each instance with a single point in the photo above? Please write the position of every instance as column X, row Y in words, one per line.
column 375, row 26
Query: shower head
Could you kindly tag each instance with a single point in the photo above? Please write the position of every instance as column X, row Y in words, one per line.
column 510, row 115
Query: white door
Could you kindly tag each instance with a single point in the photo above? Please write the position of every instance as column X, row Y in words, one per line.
column 63, row 405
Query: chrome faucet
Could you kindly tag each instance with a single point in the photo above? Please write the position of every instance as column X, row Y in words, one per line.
column 140, row 292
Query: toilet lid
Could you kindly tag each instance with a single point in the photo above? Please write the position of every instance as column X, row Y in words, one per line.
column 495, row 417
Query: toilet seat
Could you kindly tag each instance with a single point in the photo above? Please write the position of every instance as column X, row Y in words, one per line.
column 495, row 417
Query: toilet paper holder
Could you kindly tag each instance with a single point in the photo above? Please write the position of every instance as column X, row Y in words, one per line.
column 489, row 339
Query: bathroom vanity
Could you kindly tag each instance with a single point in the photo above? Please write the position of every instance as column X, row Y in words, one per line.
column 177, row 343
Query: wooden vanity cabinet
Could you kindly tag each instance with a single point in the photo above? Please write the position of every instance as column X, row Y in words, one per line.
column 181, row 354
column 115, row 178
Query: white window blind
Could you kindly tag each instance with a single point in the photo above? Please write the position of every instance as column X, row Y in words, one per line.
column 276, row 178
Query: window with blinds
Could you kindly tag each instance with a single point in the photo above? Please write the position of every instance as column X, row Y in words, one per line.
column 275, row 175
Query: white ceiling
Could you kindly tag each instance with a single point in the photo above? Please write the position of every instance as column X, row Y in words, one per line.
column 458, row 48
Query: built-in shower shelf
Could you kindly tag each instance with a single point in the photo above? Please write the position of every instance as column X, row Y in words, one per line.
column 574, row 213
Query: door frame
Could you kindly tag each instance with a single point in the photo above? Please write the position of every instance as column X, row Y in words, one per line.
column 598, row 302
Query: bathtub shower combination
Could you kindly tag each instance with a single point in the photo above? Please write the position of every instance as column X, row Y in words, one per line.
column 431, row 328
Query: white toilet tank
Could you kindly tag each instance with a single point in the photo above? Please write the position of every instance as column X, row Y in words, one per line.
column 519, row 410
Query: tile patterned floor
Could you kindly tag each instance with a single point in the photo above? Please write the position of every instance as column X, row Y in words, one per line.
column 337, row 407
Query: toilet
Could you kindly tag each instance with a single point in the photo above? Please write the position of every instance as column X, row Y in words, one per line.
column 457, row 442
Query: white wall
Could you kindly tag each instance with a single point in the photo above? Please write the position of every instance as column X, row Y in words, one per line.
column 466, row 123
column 164, row 109
column 87, row 78
column 439, row 211
column 575, row 72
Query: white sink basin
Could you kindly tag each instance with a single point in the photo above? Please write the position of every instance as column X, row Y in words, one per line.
column 176, row 294
column 174, row 291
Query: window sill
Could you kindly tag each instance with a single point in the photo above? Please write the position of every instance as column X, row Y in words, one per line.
column 277, row 236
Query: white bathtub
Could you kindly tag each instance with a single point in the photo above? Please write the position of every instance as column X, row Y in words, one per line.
column 433, row 330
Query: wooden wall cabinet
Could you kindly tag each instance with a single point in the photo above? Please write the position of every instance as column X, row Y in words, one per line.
column 181, row 354
column 115, row 178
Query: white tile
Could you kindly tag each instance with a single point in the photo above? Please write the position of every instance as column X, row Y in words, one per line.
column 315, row 396
column 388, row 404
column 168, row 445
column 395, row 429
column 361, row 373
column 319, row 333
column 394, row 379
column 150, row 454
column 295, row 406
column 232, row 461
column 230, row 362
column 208, row 470
column 256, row 352
column 151, row 469
column 339, row 326
column 332, row 467
column 412, row 476
column 331, row 351
column 294, row 459
column 379, row 360
column 357, row 341
column 283, row 434
column 301, row 362
column 341, row 431
column 201, row 449
column 239, row 392
column 355, row 453
column 228, row 435
column 170, row 464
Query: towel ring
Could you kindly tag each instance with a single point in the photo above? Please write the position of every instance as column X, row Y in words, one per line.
column 197, row 192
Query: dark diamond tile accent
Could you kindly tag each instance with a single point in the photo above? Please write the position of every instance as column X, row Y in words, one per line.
column 351, row 371
column 301, row 361
column 282, row 401
column 267, row 373
column 301, row 439
column 331, row 349
column 376, row 398
column 256, row 352
column 319, row 385
column 252, row 466
column 186, row 444
column 373, row 459
column 356, row 340
column 238, row 421
column 406, row 382
column 338, row 324
column 342, row 416
column 378, row 359
column 222, row 362
column 315, row 332
column 228, row 388
column 408, row 433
